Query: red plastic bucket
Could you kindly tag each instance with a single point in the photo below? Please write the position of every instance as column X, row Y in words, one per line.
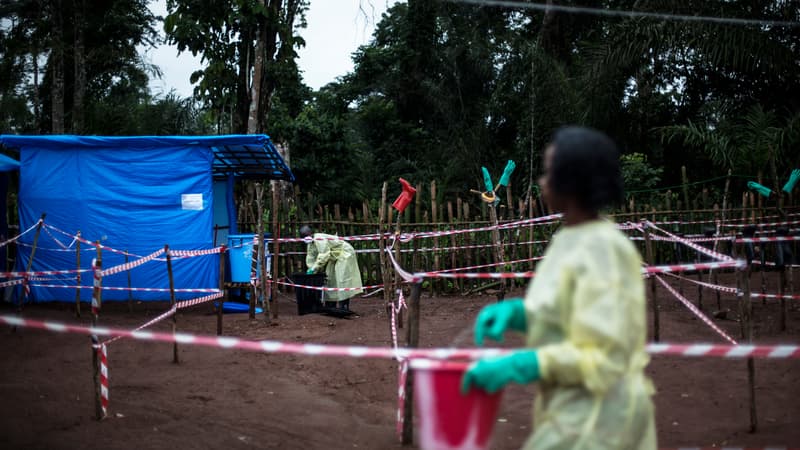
column 449, row 420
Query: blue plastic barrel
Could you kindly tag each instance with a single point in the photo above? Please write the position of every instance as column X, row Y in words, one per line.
column 240, row 255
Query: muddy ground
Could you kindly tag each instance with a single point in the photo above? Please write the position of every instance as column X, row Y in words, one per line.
column 233, row 399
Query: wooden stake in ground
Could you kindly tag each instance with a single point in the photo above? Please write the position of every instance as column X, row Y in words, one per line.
column 78, row 274
column 276, row 231
column 30, row 261
column 222, row 289
column 499, row 251
column 172, row 303
column 649, row 254
column 97, row 302
column 412, row 341
column 130, row 292
column 746, row 315
column 384, row 260
column 260, row 252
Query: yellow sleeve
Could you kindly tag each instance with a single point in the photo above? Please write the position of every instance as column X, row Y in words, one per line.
column 319, row 255
column 597, row 339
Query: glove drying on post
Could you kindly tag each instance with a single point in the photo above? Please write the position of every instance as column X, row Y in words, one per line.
column 761, row 189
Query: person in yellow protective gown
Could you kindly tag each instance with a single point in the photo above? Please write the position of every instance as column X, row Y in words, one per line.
column 335, row 258
column 583, row 315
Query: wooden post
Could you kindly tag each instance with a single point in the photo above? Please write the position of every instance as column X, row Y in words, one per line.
column 781, row 292
column 172, row 303
column 685, row 185
column 30, row 260
column 746, row 310
column 384, row 260
column 252, row 286
column 97, row 302
column 276, row 234
column 649, row 254
column 398, row 283
column 78, row 275
column 412, row 341
column 435, row 219
column 499, row 252
column 260, row 251
column 221, row 288
column 130, row 292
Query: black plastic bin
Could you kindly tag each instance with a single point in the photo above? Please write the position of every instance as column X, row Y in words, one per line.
column 309, row 301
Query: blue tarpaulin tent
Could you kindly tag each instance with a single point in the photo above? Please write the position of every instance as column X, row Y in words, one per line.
column 134, row 194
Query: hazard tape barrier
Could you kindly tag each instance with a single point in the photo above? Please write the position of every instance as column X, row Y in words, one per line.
column 42, row 273
column 8, row 241
column 716, row 287
column 475, row 275
column 767, row 239
column 761, row 225
column 696, row 311
column 737, row 264
column 518, row 261
column 723, row 351
column 324, row 288
column 133, row 264
column 120, row 288
column 12, row 282
column 193, row 253
column 716, row 255
column 102, row 352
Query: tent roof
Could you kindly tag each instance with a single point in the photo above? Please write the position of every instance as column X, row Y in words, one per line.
column 245, row 156
column 8, row 164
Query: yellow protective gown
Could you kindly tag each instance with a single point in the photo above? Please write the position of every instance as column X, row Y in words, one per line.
column 337, row 259
column 586, row 317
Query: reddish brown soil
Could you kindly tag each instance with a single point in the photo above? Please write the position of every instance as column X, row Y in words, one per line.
column 232, row 399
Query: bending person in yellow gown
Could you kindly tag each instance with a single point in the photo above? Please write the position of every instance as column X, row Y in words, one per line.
column 583, row 314
column 335, row 258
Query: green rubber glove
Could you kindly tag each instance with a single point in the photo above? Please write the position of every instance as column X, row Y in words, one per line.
column 763, row 190
column 506, row 177
column 493, row 374
column 495, row 319
column 793, row 178
column 487, row 180
column 309, row 271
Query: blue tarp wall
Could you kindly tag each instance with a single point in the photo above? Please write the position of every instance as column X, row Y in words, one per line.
column 133, row 194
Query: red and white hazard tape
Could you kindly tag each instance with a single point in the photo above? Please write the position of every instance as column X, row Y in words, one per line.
column 323, row 288
column 153, row 321
column 724, row 351
column 8, row 241
column 482, row 266
column 120, row 288
column 696, row 311
column 767, row 239
column 102, row 352
column 716, row 255
column 133, row 264
column 715, row 287
column 193, row 253
column 475, row 275
column 197, row 301
column 97, row 282
column 786, row 296
column 761, row 225
column 41, row 273
column 695, row 266
column 11, row 282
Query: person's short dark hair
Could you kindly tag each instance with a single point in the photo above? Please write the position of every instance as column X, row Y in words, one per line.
column 305, row 231
column 585, row 165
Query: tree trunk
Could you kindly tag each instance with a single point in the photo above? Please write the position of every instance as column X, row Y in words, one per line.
column 79, row 92
column 240, row 111
column 57, row 63
column 254, row 123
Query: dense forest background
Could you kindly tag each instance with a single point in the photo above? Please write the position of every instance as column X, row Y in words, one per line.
column 441, row 89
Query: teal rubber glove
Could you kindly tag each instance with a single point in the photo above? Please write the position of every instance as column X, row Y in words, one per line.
column 495, row 319
column 487, row 180
column 763, row 190
column 793, row 178
column 506, row 177
column 493, row 374
column 309, row 271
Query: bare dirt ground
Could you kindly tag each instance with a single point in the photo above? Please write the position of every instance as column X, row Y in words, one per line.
column 233, row 399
